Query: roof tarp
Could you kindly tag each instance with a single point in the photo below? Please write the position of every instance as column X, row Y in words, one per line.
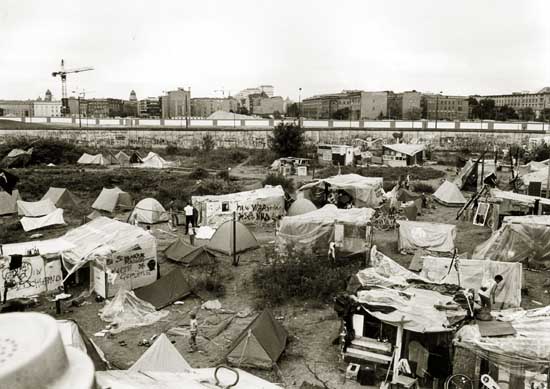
column 365, row 191
column 36, row 223
column 60, row 197
column 8, row 203
column 476, row 273
column 88, row 159
column 518, row 198
column 161, row 356
column 45, row 247
column 300, row 207
column 536, row 176
column 222, row 240
column 155, row 161
column 260, row 344
column 36, row 208
column 464, row 178
column 524, row 239
column 149, row 211
column 448, row 194
column 415, row 235
column 405, row 148
column 166, row 290
column 73, row 336
column 110, row 199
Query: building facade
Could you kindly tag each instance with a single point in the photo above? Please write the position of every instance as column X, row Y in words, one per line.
column 175, row 104
column 243, row 96
column 102, row 108
column 47, row 108
column 262, row 105
column 518, row 101
column 443, row 107
column 339, row 105
column 149, row 108
column 411, row 105
column 19, row 108
column 206, row 106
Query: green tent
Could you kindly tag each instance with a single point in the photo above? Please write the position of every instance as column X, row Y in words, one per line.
column 260, row 345
column 166, row 290
column 223, row 238
column 178, row 249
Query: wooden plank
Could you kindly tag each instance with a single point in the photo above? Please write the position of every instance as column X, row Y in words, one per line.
column 367, row 355
column 372, row 344
column 495, row 328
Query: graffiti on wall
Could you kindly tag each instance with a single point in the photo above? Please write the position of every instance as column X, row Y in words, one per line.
column 32, row 278
column 259, row 213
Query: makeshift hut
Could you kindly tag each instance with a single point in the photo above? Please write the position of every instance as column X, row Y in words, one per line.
column 35, row 208
column 122, row 158
column 524, row 239
column 155, row 161
column 251, row 207
column 8, row 202
column 61, row 198
column 111, row 199
column 88, row 159
column 17, row 158
column 313, row 231
column 120, row 255
column 161, row 356
column 36, row 223
column 149, row 211
column 335, row 154
column 449, row 195
column 288, row 166
column 413, row 235
column 470, row 177
column 260, row 344
column 166, row 290
column 232, row 238
column 515, row 204
column 301, row 206
column 184, row 253
column 538, row 176
column 345, row 189
column 403, row 154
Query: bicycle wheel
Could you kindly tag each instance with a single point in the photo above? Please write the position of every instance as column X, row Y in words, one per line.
column 459, row 381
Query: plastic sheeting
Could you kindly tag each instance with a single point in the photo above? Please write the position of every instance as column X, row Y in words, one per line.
column 35, row 209
column 524, row 239
column 425, row 235
column 126, row 311
column 518, row 198
column 36, row 223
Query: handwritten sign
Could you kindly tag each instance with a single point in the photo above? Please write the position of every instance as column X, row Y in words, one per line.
column 35, row 276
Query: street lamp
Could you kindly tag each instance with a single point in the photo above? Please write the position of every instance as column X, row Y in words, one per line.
column 299, row 104
column 437, row 115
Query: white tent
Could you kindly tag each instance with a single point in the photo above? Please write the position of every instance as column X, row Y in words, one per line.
column 8, row 203
column 149, row 211
column 161, row 356
column 36, row 208
column 448, row 194
column 111, row 199
column 413, row 235
column 88, row 159
column 155, row 161
column 36, row 223
column 60, row 197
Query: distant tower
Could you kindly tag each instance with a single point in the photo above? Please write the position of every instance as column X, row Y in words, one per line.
column 133, row 96
column 48, row 96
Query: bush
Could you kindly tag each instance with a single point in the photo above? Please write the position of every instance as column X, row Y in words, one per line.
column 287, row 140
column 208, row 143
column 46, row 150
column 262, row 157
column 199, row 174
column 223, row 175
column 422, row 187
column 214, row 186
column 171, row 150
column 277, row 179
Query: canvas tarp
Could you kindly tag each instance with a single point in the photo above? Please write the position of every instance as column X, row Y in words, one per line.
column 36, row 223
column 8, row 203
column 166, row 290
column 448, row 194
column 518, row 197
column 73, row 336
column 149, row 211
column 88, row 159
column 534, row 166
column 365, row 191
column 111, row 199
column 155, row 161
column 405, row 148
column 252, row 207
column 260, row 344
column 476, row 273
column 413, row 235
column 524, row 239
column 161, row 356
column 313, row 231
column 36, row 208
column 300, row 207
column 223, row 238
column 60, row 197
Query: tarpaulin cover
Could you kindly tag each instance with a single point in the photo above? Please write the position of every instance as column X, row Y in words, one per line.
column 529, row 349
column 524, row 239
column 149, row 211
column 88, row 159
column 8, row 203
column 365, row 191
column 161, row 356
column 536, row 176
column 405, row 148
column 448, row 194
column 166, row 290
column 126, row 311
column 475, row 273
column 110, row 199
column 431, row 236
column 36, row 223
column 313, row 231
column 413, row 306
column 73, row 336
column 36, row 208
column 518, row 197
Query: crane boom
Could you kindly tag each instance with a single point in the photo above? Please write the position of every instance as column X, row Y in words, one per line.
column 62, row 73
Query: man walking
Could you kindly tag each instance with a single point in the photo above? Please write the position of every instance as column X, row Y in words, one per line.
column 188, row 217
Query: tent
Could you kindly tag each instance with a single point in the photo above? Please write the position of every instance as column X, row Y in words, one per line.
column 136, row 157
column 252, row 207
column 313, row 231
column 73, row 336
column 122, row 158
column 111, row 199
column 403, row 154
column 224, row 115
column 448, row 194
column 469, row 177
column 36, row 208
column 93, row 215
column 536, row 176
column 149, row 211
column 364, row 191
column 161, row 356
column 61, row 197
column 223, row 238
column 155, row 161
column 301, row 206
column 178, row 249
column 182, row 252
column 88, row 159
column 8, row 203
column 36, row 223
column 413, row 235
column 260, row 344
column 524, row 239
column 17, row 158
column 165, row 290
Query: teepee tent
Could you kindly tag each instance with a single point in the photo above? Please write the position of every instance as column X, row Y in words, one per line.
column 227, row 241
column 74, row 336
column 448, row 194
column 110, row 199
column 301, row 206
column 161, row 356
column 8, row 203
column 149, row 211
column 122, row 158
column 165, row 290
column 61, row 197
column 260, row 344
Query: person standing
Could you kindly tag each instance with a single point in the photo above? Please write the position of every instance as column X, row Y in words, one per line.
column 173, row 212
column 188, row 217
column 193, row 330
column 192, row 233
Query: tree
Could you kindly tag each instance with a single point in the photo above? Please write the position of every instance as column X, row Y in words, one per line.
column 208, row 143
column 415, row 113
column 242, row 110
column 544, row 115
column 526, row 114
column 380, row 115
column 484, row 110
column 341, row 114
column 506, row 113
column 398, row 136
column 277, row 115
column 293, row 110
column 288, row 140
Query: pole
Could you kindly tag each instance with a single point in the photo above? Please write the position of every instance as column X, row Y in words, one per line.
column 79, row 116
column 548, row 182
column 234, row 243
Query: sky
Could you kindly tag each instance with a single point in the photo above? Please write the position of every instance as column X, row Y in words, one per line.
column 456, row 47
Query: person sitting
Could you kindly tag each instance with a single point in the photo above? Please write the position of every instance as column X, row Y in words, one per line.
column 488, row 292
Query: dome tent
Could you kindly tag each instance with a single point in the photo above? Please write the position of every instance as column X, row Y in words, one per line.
column 301, row 206
column 149, row 211
column 222, row 240
column 448, row 194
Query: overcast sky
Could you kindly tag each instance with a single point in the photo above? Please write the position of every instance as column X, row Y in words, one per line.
column 458, row 47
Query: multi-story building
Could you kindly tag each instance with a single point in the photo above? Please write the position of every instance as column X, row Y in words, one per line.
column 176, row 104
column 102, row 108
column 17, row 108
column 149, row 108
column 520, row 100
column 329, row 105
column 243, row 96
column 269, row 90
column 377, row 105
column 411, row 105
column 445, row 107
column 262, row 105
column 46, row 108
column 206, row 106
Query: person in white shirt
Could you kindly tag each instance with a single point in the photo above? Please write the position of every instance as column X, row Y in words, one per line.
column 487, row 293
column 332, row 252
column 188, row 217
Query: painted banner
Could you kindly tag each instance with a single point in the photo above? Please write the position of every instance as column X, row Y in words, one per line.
column 35, row 276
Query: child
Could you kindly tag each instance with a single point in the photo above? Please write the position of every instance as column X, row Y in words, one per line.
column 193, row 329
column 192, row 232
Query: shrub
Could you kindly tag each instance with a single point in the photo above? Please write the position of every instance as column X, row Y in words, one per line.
column 422, row 187
column 277, row 179
column 199, row 174
column 223, row 175
column 214, row 186
column 208, row 143
column 171, row 149
column 287, row 140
